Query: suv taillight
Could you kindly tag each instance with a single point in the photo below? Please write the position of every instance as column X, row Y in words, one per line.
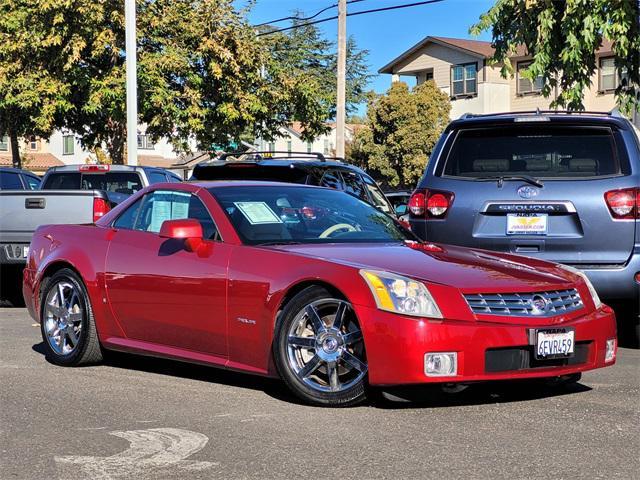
column 624, row 204
column 100, row 208
column 430, row 203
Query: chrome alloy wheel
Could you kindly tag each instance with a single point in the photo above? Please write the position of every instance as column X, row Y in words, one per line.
column 63, row 318
column 325, row 347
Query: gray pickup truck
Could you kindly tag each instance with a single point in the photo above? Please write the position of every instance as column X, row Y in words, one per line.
column 68, row 194
column 22, row 211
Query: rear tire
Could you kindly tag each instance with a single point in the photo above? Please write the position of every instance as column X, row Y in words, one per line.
column 66, row 321
column 319, row 350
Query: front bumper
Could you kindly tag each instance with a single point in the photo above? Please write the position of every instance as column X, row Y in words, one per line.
column 396, row 345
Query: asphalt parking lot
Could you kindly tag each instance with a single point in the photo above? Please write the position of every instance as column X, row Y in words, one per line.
column 145, row 418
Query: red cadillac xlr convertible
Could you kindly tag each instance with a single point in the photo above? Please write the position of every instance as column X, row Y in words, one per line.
column 308, row 284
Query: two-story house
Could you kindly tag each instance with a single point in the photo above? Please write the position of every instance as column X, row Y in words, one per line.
column 460, row 68
column 290, row 140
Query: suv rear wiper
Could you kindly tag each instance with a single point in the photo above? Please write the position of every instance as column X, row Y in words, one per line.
column 501, row 179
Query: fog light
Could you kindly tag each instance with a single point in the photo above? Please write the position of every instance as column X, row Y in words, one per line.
column 443, row 364
column 610, row 352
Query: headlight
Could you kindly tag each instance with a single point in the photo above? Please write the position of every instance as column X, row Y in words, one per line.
column 403, row 295
column 592, row 290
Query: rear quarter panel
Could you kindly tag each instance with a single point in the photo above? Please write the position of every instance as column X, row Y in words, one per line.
column 82, row 248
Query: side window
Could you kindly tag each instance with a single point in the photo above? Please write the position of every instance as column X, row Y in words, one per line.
column 353, row 185
column 156, row 177
column 377, row 197
column 32, row 182
column 173, row 178
column 10, row 181
column 164, row 205
column 128, row 219
column 331, row 179
column 199, row 212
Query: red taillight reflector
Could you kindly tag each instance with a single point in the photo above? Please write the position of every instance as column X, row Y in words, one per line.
column 94, row 168
column 638, row 277
column 100, row 208
column 437, row 204
column 431, row 203
column 416, row 204
column 624, row 204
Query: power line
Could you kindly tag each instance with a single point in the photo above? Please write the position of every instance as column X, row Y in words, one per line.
column 303, row 19
column 352, row 14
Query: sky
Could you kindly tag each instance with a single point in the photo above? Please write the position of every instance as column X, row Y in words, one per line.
column 385, row 34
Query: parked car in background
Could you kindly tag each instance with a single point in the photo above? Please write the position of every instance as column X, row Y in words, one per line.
column 549, row 185
column 294, row 167
column 17, row 179
column 117, row 181
column 399, row 200
column 309, row 284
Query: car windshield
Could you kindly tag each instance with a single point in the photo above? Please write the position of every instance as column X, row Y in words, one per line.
column 294, row 214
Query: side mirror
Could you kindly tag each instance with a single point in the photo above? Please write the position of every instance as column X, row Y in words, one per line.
column 401, row 210
column 187, row 229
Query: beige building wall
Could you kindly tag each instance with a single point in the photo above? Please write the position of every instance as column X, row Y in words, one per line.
column 437, row 59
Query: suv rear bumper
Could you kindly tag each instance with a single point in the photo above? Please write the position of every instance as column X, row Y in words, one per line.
column 616, row 283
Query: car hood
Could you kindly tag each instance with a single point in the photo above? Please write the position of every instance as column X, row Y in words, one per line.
column 467, row 269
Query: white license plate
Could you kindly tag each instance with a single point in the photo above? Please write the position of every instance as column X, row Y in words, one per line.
column 527, row 224
column 555, row 343
column 25, row 252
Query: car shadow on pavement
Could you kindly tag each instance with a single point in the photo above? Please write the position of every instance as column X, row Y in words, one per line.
column 175, row 368
column 431, row 396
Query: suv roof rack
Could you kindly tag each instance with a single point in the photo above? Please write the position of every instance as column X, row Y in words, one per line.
column 269, row 155
column 613, row 113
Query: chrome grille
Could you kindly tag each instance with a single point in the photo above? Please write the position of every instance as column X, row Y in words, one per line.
column 536, row 304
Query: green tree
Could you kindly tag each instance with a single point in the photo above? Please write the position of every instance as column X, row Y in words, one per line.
column 563, row 37
column 36, row 55
column 304, row 51
column 403, row 126
column 202, row 74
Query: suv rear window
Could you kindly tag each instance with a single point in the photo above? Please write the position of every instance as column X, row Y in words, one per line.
column 119, row 182
column 541, row 152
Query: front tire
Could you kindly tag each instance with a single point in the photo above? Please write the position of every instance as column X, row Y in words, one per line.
column 66, row 321
column 319, row 349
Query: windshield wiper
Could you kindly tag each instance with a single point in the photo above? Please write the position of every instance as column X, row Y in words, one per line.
column 502, row 178
column 278, row 242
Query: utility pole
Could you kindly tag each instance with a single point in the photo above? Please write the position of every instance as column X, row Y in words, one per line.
column 342, row 68
column 131, row 78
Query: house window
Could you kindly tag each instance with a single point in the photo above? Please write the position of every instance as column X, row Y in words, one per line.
column 428, row 76
column 145, row 143
column 463, row 80
column 525, row 85
column 4, row 143
column 309, row 147
column 33, row 143
column 271, row 147
column 609, row 78
column 67, row 144
column 326, row 146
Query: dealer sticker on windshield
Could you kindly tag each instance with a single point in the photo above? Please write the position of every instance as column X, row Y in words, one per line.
column 257, row 213
column 527, row 224
column 554, row 343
